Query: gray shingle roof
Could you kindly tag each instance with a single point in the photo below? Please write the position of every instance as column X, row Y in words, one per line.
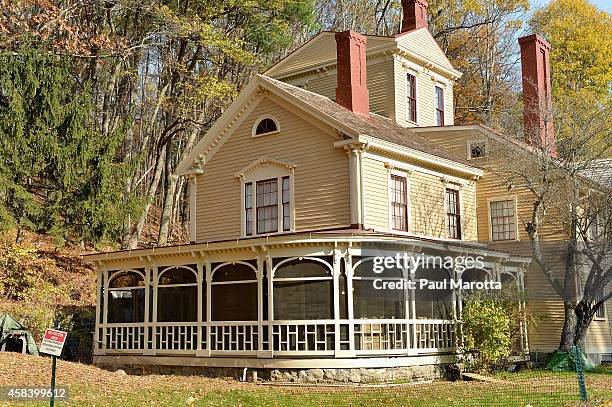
column 375, row 126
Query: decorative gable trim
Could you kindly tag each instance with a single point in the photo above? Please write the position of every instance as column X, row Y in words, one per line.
column 263, row 162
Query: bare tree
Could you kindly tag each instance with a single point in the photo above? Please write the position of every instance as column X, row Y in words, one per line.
column 570, row 222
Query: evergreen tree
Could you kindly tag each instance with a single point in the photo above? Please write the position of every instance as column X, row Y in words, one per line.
column 57, row 174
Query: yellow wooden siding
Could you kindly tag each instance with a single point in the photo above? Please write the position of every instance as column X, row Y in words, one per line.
column 376, row 194
column 319, row 50
column 380, row 85
column 321, row 175
column 424, row 45
column 427, row 212
column 424, row 93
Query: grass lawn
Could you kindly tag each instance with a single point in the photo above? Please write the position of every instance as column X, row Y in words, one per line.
column 90, row 386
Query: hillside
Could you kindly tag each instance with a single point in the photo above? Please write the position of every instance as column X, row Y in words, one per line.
column 41, row 283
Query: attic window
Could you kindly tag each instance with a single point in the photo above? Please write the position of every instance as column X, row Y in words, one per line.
column 477, row 149
column 265, row 125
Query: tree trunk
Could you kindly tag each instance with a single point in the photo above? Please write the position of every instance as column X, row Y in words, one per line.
column 166, row 216
column 569, row 328
column 132, row 243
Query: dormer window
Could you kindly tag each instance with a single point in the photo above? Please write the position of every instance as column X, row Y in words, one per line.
column 439, row 105
column 265, row 125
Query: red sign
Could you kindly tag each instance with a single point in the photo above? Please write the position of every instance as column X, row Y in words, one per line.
column 53, row 342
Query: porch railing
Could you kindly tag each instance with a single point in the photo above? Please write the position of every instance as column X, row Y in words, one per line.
column 324, row 338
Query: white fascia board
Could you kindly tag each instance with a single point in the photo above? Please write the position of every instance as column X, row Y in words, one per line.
column 390, row 147
column 186, row 166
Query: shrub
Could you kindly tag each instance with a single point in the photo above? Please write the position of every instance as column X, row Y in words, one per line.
column 486, row 333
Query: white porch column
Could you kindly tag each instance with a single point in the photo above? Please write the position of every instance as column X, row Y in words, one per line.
column 348, row 269
column 99, row 296
column 270, row 304
column 155, row 270
column 208, row 275
column 261, row 353
column 105, row 277
column 201, row 322
column 336, row 291
column 147, row 317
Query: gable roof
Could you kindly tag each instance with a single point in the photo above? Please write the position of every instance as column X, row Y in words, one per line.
column 320, row 51
column 345, row 121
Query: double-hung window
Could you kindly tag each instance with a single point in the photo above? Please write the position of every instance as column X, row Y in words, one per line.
column 439, row 105
column 411, row 102
column 399, row 203
column 267, row 206
column 453, row 213
column 503, row 220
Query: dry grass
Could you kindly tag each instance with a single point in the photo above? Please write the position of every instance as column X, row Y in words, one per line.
column 88, row 385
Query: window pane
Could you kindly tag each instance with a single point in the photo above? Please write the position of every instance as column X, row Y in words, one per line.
column 372, row 303
column 126, row 306
column 399, row 203
column 453, row 214
column 177, row 304
column 267, row 206
column 234, row 302
column 311, row 299
column 503, row 222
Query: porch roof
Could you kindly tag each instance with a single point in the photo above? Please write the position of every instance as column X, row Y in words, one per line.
column 329, row 236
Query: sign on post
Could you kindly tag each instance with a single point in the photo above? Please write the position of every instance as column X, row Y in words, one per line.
column 53, row 342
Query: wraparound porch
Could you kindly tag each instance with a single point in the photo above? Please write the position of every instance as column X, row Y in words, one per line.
column 294, row 298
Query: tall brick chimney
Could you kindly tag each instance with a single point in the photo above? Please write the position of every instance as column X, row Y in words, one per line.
column 352, row 89
column 537, row 99
column 415, row 15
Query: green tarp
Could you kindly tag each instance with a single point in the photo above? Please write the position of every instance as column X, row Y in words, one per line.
column 561, row 361
column 10, row 326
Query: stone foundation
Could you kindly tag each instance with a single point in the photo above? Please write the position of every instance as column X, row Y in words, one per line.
column 302, row 376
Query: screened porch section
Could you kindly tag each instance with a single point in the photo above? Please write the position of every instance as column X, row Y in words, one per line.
column 267, row 307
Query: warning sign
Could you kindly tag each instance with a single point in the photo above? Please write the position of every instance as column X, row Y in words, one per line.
column 53, row 342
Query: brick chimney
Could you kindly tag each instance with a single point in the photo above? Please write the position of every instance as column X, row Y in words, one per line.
column 415, row 14
column 352, row 90
column 537, row 99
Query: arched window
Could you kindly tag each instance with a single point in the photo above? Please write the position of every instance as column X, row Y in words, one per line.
column 126, row 297
column 234, row 292
column 265, row 125
column 177, row 295
column 303, row 289
column 372, row 299
column 433, row 302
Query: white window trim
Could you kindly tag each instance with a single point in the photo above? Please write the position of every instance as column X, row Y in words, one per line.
column 469, row 148
column 459, row 189
column 516, row 219
column 404, row 173
column 416, row 95
column 279, row 203
column 259, row 119
column 261, row 170
column 603, row 307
